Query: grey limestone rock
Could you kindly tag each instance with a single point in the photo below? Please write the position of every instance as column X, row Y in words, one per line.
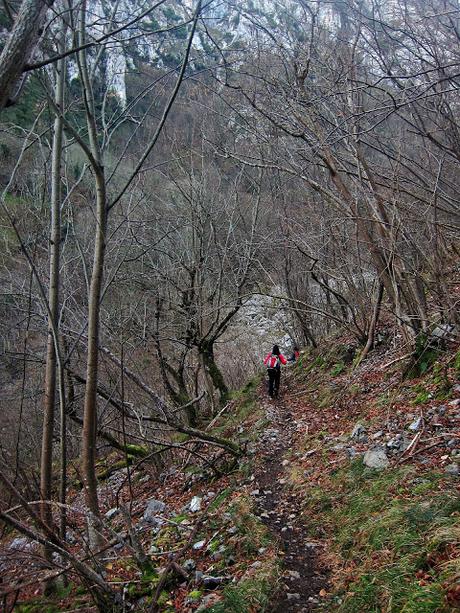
column 111, row 513
column 22, row 543
column 153, row 510
column 210, row 583
column 376, row 458
column 395, row 442
column 359, row 433
column 189, row 565
column 198, row 576
column 453, row 469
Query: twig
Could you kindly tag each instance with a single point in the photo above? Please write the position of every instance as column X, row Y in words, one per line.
column 420, row 451
column 413, row 444
column 213, row 421
column 403, row 357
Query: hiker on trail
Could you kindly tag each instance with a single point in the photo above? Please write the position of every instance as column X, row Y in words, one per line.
column 273, row 363
column 295, row 354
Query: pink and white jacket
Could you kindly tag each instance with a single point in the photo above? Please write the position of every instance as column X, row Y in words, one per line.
column 271, row 360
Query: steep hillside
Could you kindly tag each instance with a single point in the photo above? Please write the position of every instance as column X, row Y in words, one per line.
column 346, row 499
column 376, row 462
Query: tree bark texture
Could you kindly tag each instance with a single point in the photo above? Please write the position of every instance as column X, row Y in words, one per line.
column 21, row 43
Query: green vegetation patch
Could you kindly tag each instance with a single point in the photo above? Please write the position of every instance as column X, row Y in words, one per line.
column 139, row 451
column 457, row 363
column 244, row 407
column 337, row 369
column 390, row 532
column 251, row 532
column 250, row 594
column 425, row 355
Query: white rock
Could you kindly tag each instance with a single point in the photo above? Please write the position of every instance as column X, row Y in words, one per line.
column 416, row 424
column 195, row 504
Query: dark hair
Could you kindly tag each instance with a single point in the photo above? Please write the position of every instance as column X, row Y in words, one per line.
column 275, row 350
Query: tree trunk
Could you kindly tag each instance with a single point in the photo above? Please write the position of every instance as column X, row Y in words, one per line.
column 90, row 402
column 372, row 325
column 95, row 292
column 213, row 371
column 21, row 43
column 53, row 312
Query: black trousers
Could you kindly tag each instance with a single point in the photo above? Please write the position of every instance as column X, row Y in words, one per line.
column 274, row 376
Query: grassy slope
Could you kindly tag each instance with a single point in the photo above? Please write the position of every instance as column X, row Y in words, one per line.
column 393, row 536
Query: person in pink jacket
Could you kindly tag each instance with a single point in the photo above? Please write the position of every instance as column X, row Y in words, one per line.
column 273, row 363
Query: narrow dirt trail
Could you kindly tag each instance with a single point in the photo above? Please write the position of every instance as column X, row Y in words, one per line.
column 280, row 510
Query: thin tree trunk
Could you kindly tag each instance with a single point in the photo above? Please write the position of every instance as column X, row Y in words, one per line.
column 168, row 420
column 62, row 451
column 53, row 312
column 372, row 325
column 95, row 292
column 90, row 402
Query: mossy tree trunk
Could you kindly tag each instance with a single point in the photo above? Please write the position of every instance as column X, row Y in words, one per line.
column 206, row 351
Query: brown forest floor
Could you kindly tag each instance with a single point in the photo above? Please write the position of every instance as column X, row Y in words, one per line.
column 302, row 579
column 263, row 520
